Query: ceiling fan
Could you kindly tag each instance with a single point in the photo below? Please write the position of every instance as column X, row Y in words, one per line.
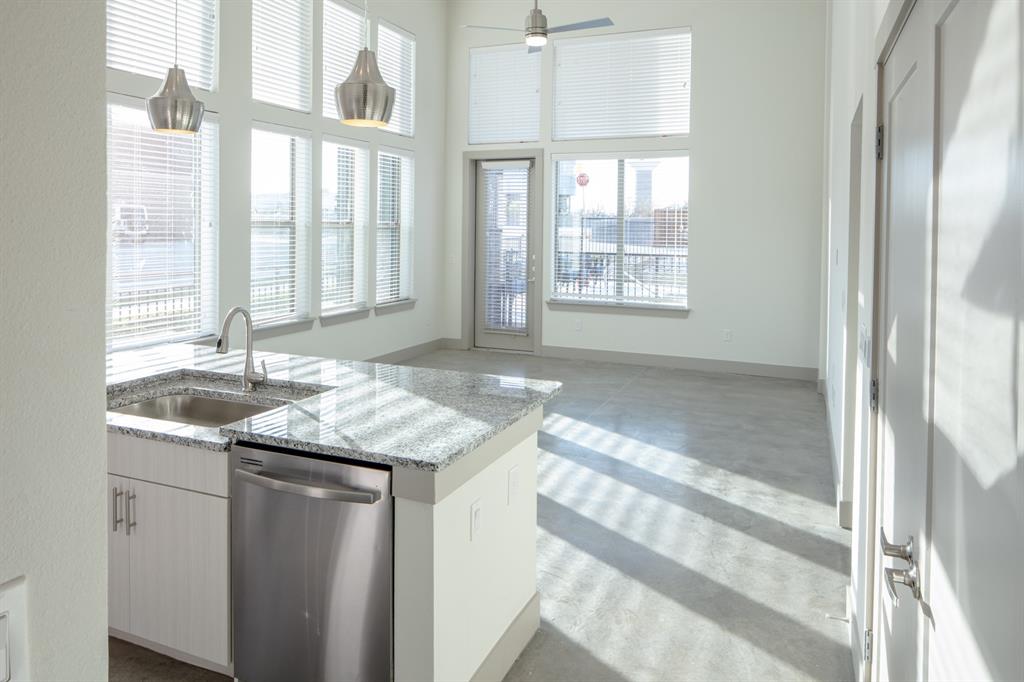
column 537, row 27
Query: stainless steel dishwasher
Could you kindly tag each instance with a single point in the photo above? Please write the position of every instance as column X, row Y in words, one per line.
column 311, row 569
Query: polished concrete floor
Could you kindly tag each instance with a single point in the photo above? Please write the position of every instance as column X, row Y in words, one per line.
column 686, row 529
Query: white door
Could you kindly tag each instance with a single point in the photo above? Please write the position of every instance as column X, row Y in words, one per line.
column 117, row 556
column 951, row 353
column 180, row 590
column 506, row 256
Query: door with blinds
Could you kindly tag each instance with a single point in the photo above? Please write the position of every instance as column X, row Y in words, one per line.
column 506, row 255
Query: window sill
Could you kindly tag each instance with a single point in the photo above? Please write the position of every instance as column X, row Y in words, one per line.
column 625, row 308
column 394, row 307
column 344, row 315
column 272, row 329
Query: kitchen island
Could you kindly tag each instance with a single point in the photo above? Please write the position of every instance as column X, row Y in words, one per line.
column 461, row 450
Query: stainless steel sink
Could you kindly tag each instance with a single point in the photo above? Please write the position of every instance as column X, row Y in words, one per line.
column 193, row 409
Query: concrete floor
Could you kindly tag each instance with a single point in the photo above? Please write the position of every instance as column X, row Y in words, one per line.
column 686, row 529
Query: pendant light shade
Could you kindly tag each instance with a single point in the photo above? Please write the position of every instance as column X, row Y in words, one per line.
column 364, row 99
column 173, row 108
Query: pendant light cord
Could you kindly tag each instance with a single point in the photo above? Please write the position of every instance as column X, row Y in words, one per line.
column 175, row 33
column 366, row 25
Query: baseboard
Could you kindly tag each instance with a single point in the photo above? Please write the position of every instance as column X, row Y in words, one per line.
column 518, row 634
column 678, row 362
column 173, row 653
column 403, row 354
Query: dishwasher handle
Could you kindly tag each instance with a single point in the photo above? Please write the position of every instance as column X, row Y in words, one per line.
column 295, row 486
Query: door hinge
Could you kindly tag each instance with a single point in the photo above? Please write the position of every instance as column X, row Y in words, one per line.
column 874, row 395
column 867, row 645
column 879, row 142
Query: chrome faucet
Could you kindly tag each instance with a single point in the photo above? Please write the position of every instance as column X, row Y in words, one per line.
column 250, row 377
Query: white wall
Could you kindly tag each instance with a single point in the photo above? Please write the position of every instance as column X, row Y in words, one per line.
column 756, row 176
column 52, row 455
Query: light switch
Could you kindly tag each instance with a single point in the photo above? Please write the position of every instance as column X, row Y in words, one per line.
column 5, row 649
column 13, row 633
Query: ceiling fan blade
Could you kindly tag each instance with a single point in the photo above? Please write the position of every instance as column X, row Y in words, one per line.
column 580, row 25
column 494, row 28
column 532, row 49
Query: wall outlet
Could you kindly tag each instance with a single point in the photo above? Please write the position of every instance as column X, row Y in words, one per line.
column 513, row 485
column 577, row 324
column 475, row 520
column 727, row 335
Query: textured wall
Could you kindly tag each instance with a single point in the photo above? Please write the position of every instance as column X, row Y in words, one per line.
column 52, row 264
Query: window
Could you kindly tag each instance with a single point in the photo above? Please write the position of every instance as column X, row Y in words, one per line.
column 344, row 33
column 394, row 226
column 396, row 56
column 504, row 95
column 162, row 231
column 282, row 53
column 140, row 38
column 625, row 85
column 280, row 224
column 621, row 231
column 343, row 235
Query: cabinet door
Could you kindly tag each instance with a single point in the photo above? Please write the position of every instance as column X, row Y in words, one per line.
column 117, row 556
column 180, row 594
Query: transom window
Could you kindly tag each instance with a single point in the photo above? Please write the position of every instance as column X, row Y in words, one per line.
column 621, row 230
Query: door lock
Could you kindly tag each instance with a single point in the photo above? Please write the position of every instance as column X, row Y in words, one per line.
column 905, row 576
column 905, row 552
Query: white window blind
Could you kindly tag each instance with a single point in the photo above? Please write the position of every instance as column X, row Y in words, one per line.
column 626, row 85
column 395, row 212
column 343, row 234
column 140, row 38
column 162, row 236
column 506, row 211
column 504, row 95
column 282, row 53
column 344, row 33
column 396, row 56
column 278, row 288
column 621, row 232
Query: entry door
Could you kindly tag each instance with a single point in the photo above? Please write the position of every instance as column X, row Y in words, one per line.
column 506, row 256
column 951, row 429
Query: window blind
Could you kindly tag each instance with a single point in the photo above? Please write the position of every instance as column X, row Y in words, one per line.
column 162, row 231
column 278, row 289
column 140, row 38
column 626, row 85
column 343, row 234
column 344, row 33
column 282, row 53
column 395, row 212
column 506, row 211
column 621, row 233
column 396, row 56
column 504, row 95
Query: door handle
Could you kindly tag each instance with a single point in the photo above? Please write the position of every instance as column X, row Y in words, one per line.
column 905, row 552
column 129, row 502
column 904, row 576
column 118, row 495
column 295, row 486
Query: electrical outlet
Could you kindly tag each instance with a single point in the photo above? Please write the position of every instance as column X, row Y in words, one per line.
column 513, row 484
column 727, row 335
column 475, row 520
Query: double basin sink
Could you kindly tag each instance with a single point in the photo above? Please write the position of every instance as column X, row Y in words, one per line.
column 205, row 398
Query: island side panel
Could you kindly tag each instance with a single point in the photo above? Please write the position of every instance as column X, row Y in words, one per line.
column 457, row 590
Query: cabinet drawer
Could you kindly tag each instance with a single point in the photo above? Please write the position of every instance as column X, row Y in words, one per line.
column 204, row 471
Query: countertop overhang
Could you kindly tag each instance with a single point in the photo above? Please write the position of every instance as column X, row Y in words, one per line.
column 403, row 416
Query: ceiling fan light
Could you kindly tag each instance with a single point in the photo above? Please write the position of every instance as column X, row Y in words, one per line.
column 364, row 100
column 173, row 108
column 536, row 39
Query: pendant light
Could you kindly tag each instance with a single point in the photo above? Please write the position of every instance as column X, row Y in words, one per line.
column 173, row 108
column 365, row 100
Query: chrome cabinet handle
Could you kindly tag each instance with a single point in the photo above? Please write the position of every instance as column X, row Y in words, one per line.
column 117, row 497
column 905, row 552
column 129, row 503
column 295, row 486
column 904, row 576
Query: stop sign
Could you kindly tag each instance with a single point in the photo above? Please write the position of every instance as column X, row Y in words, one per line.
column 582, row 179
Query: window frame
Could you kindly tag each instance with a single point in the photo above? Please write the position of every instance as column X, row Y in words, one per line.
column 553, row 299
column 360, row 232
column 406, row 233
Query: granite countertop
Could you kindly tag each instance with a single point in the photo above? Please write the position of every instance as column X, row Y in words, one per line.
column 391, row 414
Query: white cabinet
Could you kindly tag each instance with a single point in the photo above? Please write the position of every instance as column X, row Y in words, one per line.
column 169, row 569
